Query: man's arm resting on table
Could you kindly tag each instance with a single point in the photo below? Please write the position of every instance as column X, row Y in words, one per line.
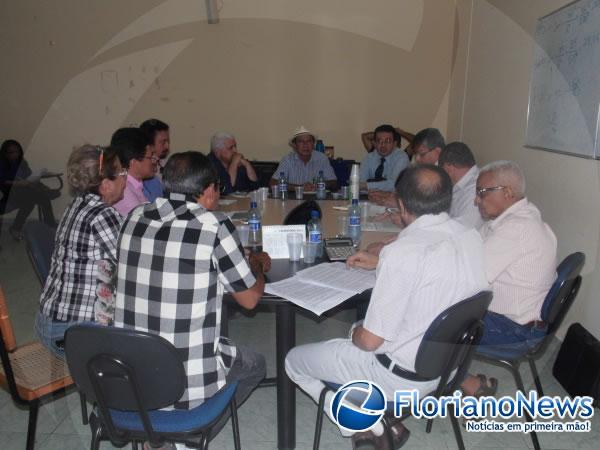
column 259, row 263
column 365, row 340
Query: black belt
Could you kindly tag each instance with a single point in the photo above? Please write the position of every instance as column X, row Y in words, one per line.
column 399, row 371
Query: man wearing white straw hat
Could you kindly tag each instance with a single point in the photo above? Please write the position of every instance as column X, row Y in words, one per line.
column 302, row 166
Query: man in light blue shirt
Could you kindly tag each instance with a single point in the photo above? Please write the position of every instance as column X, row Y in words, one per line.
column 380, row 169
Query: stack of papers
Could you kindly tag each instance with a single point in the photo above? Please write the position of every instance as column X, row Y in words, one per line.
column 322, row 287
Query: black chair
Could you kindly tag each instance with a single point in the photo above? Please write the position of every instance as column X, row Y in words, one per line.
column 448, row 345
column 556, row 305
column 53, row 193
column 131, row 375
column 300, row 215
column 39, row 242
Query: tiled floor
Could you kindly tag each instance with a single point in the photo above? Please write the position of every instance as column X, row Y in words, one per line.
column 59, row 423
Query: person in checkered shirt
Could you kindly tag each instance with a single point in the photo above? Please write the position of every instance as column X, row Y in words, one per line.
column 176, row 257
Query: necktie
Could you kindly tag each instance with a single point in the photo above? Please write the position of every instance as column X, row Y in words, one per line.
column 379, row 170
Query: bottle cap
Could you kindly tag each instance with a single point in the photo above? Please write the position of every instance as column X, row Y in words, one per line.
column 252, row 204
column 314, row 214
column 355, row 201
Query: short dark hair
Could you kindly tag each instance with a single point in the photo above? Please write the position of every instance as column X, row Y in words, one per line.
column 189, row 173
column 456, row 154
column 386, row 129
column 430, row 138
column 4, row 149
column 425, row 189
column 153, row 126
column 131, row 144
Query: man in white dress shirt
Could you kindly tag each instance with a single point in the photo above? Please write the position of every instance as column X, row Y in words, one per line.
column 520, row 259
column 458, row 161
column 434, row 263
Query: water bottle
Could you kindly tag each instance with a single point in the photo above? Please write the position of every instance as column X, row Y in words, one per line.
column 354, row 222
column 321, row 191
column 283, row 186
column 319, row 146
column 254, row 227
column 314, row 232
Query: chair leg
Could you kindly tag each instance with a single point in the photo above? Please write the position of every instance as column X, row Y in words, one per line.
column 521, row 387
column 84, row 413
column 204, row 441
column 429, row 425
column 456, row 428
column 235, row 425
column 319, row 424
column 34, row 407
column 387, row 429
column 536, row 377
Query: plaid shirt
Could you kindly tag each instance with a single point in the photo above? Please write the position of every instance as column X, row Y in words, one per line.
column 86, row 235
column 175, row 260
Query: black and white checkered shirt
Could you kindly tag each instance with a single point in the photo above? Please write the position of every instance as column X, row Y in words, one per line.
column 86, row 235
column 175, row 260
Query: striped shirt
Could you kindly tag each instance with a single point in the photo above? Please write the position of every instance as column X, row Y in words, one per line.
column 175, row 260
column 87, row 234
column 298, row 172
column 520, row 251
column 434, row 263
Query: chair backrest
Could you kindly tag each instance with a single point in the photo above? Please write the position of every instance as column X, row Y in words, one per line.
column 39, row 240
column 300, row 215
column 8, row 335
column 561, row 295
column 124, row 369
column 451, row 336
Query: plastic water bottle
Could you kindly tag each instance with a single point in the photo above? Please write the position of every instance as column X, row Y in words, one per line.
column 321, row 191
column 354, row 227
column 313, row 228
column 283, row 186
column 254, row 227
column 319, row 146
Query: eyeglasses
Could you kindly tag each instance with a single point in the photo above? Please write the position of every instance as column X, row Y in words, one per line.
column 100, row 159
column 421, row 154
column 384, row 141
column 482, row 191
column 122, row 173
column 153, row 158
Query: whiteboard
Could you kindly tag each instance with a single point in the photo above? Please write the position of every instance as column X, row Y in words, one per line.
column 564, row 92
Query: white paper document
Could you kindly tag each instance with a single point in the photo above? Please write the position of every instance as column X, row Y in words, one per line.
column 226, row 201
column 274, row 239
column 322, row 287
column 380, row 226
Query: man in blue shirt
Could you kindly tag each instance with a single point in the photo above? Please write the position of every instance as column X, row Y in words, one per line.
column 380, row 169
column 235, row 171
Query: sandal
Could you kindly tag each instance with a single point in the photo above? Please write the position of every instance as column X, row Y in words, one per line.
column 400, row 434
column 366, row 440
column 486, row 389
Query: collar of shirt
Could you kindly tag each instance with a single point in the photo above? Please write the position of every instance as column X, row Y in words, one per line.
column 137, row 185
column 425, row 221
column 473, row 172
column 297, row 158
column 183, row 198
column 515, row 208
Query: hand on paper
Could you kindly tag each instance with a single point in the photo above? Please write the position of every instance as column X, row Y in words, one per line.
column 363, row 260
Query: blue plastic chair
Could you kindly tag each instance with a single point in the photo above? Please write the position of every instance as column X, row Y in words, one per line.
column 131, row 375
column 556, row 305
column 447, row 345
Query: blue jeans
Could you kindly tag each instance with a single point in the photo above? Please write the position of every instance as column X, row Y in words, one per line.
column 52, row 333
column 501, row 331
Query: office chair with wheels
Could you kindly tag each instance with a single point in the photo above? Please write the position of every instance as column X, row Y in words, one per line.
column 447, row 346
column 131, row 375
column 29, row 372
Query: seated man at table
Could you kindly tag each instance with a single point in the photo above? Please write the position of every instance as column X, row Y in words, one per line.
column 434, row 263
column 138, row 157
column 235, row 172
column 459, row 163
column 302, row 166
column 520, row 262
column 380, row 169
column 176, row 257
column 159, row 135
column 427, row 145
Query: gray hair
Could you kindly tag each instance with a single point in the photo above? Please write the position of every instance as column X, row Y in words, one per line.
column 218, row 139
column 508, row 173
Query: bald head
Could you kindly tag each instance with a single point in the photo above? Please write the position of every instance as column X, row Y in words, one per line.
column 424, row 189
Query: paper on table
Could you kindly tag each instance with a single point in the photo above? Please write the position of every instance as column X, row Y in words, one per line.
column 226, row 201
column 274, row 239
column 380, row 226
column 323, row 287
